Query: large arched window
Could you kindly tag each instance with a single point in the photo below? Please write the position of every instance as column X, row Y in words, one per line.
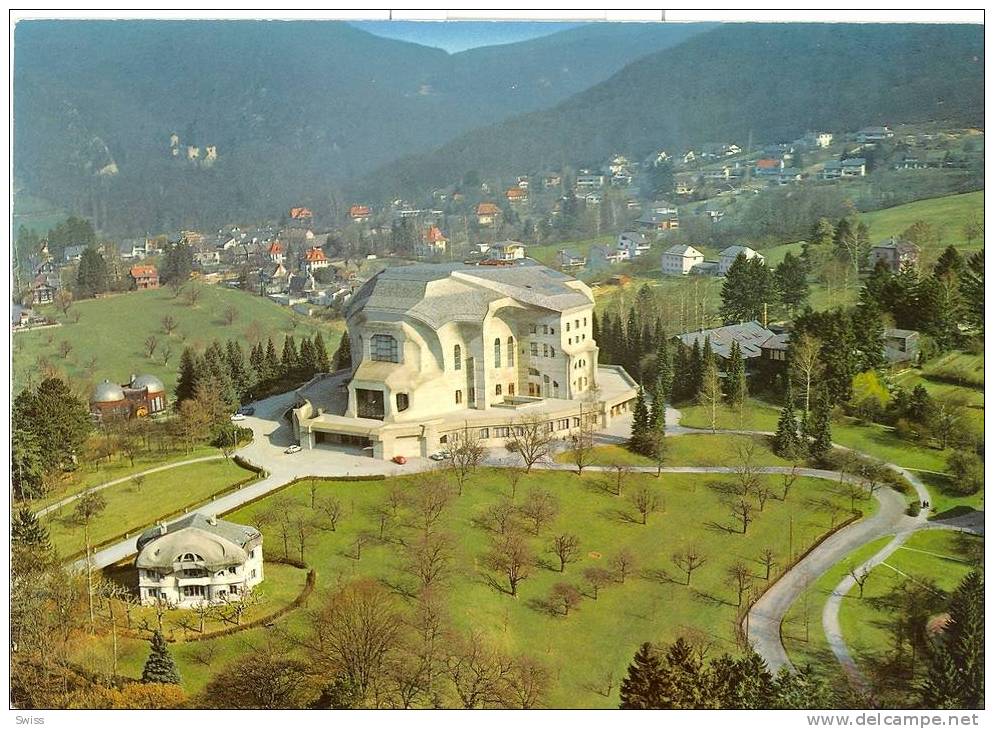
column 510, row 351
column 383, row 348
column 497, row 352
column 457, row 356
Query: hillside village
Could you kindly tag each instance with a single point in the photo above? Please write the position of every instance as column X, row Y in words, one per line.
column 702, row 428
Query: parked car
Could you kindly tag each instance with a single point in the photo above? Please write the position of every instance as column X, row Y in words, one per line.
column 439, row 455
column 293, row 449
column 399, row 460
column 247, row 410
column 237, row 416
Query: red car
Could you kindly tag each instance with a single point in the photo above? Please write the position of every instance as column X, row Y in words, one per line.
column 399, row 460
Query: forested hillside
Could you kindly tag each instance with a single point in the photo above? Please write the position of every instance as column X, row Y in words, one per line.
column 766, row 81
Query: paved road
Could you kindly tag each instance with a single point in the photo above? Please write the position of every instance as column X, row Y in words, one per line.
column 272, row 434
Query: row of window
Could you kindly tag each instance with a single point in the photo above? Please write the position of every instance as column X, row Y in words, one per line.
column 576, row 324
column 457, row 354
column 546, row 329
column 504, row 431
column 579, row 338
column 547, row 351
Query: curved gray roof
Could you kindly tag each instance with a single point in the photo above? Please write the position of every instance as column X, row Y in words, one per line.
column 218, row 542
column 107, row 391
column 467, row 293
column 151, row 382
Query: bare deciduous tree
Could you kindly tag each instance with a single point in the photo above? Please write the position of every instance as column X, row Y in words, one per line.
column 740, row 578
column 581, row 445
column 789, row 479
column 466, row 452
column 501, row 516
column 646, row 501
column 860, row 577
column 621, row 473
column 511, row 555
column 689, row 559
column 526, row 684
column 564, row 596
column 567, row 548
column 539, row 507
column 65, row 348
column 742, row 510
column 478, row 672
column 169, row 324
column 768, row 559
column 151, row 344
column 597, row 577
column 805, row 362
column 331, row 509
column 229, row 315
column 427, row 557
column 532, row 439
column 623, row 564
column 430, row 497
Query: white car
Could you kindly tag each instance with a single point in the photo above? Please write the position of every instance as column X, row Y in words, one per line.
column 293, row 449
column 237, row 416
column 439, row 455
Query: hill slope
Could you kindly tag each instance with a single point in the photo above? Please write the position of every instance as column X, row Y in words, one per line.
column 292, row 107
column 774, row 81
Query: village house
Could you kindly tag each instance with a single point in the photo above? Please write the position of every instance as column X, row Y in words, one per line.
column 658, row 221
column 444, row 348
column 516, row 195
column 432, row 243
column 568, row 258
column 601, row 255
column 508, row 250
column 684, row 186
column 679, row 260
column 852, row 167
column 727, row 257
column 589, row 181
column 315, row 260
column 198, row 559
column 359, row 214
column 277, row 252
column 749, row 335
column 140, row 397
column 45, row 288
column 901, row 345
column 486, row 214
column 632, row 244
column 873, row 134
column 894, row 253
column 73, row 253
column 768, row 166
column 144, row 276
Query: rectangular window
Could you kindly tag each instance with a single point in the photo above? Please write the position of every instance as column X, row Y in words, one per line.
column 252, row 575
column 577, row 323
column 472, row 394
column 502, row 432
column 567, row 326
column 484, row 432
column 545, row 350
column 383, row 348
column 233, row 589
column 458, row 396
column 584, row 321
column 533, row 329
column 576, row 422
column 534, row 349
column 545, row 329
column 552, row 351
column 510, row 389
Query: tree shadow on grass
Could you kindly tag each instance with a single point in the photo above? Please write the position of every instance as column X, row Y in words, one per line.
column 711, row 599
column 716, row 527
column 541, row 605
column 662, row 577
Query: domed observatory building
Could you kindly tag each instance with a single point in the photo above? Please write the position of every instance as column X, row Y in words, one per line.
column 141, row 397
column 198, row 559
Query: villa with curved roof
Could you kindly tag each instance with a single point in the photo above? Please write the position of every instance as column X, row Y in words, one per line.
column 198, row 559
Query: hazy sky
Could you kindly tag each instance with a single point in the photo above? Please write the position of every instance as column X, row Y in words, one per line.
column 454, row 36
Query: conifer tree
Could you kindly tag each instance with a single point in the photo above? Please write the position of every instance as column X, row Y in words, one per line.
column 289, row 360
column 640, row 424
column 735, row 384
column 972, row 288
column 321, row 353
column 307, row 362
column 27, row 531
column 955, row 677
column 159, row 667
column 640, row 689
column 186, row 381
column 272, row 362
column 663, row 366
column 786, row 441
column 343, row 355
column 695, row 369
column 821, row 429
column 240, row 375
column 657, row 411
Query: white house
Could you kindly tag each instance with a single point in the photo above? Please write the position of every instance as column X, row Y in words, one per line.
column 632, row 244
column 508, row 250
column 198, row 559
column 727, row 257
column 678, row 260
column 589, row 181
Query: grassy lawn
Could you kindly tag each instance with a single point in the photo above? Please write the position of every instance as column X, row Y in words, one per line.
column 93, row 473
column 593, row 645
column 953, row 375
column 947, row 214
column 937, row 559
column 108, row 341
column 547, row 254
column 689, row 450
column 874, row 440
column 129, row 509
column 282, row 585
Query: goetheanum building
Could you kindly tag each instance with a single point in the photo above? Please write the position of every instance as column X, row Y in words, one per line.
column 198, row 559
column 439, row 348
